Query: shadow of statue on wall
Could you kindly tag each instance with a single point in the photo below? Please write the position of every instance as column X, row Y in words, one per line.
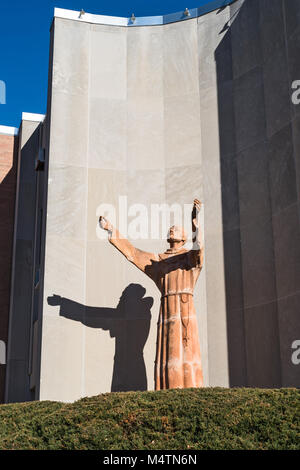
column 129, row 323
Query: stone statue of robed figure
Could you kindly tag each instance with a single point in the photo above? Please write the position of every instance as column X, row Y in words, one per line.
column 175, row 272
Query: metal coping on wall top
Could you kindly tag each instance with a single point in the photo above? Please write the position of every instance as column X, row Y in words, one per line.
column 145, row 20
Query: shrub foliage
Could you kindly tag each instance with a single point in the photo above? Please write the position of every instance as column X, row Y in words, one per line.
column 208, row 418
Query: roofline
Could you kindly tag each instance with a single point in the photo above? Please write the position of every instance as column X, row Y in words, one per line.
column 143, row 20
column 7, row 130
column 33, row 117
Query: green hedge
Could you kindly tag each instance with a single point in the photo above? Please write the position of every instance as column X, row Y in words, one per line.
column 209, row 418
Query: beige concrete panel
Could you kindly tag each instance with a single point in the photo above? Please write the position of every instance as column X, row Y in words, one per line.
column 210, row 126
column 62, row 361
column 289, row 333
column 103, row 262
column 296, row 145
column 214, row 256
column 214, row 265
column 107, row 28
column 104, row 187
column 216, row 310
column 99, row 361
column 146, row 186
column 182, row 130
column 67, row 198
column 214, row 20
column 71, row 57
column 184, row 184
column 213, row 214
column 286, row 235
column 69, row 129
column 201, row 309
column 180, row 58
column 152, row 245
column 145, row 134
column 211, row 33
column 146, row 215
column 262, row 346
column 27, row 130
column 258, row 264
column 108, row 74
column 211, row 161
column 107, row 134
column 253, row 184
column 145, row 63
column 64, row 270
column 145, row 127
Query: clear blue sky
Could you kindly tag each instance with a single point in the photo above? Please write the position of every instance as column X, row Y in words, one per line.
column 24, row 40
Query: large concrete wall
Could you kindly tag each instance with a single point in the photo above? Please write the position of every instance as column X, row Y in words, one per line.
column 259, row 149
column 165, row 114
column 129, row 116
column 8, row 164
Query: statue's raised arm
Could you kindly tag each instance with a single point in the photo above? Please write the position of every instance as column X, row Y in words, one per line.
column 139, row 258
column 196, row 230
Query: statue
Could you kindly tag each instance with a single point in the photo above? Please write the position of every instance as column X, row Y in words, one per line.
column 175, row 272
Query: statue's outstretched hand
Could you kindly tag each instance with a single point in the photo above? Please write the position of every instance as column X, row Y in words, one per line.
column 197, row 205
column 54, row 300
column 196, row 209
column 104, row 223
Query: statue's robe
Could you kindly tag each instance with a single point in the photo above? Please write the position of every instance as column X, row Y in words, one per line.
column 178, row 358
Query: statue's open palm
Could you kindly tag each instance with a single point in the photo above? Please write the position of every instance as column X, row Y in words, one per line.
column 104, row 223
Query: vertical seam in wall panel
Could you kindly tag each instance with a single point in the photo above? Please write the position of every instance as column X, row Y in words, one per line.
column 83, row 344
column 206, row 379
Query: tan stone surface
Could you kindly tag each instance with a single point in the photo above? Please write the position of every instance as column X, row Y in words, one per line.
column 136, row 124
